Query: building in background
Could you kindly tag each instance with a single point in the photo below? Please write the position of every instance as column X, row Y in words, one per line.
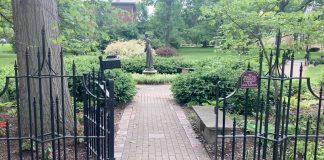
column 127, row 5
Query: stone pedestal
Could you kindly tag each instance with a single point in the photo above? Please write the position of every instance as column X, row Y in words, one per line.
column 207, row 123
column 149, row 71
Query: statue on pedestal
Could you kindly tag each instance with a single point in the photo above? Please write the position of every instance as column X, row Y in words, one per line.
column 149, row 67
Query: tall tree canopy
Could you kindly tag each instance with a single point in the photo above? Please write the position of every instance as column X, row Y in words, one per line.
column 6, row 22
column 167, row 23
column 245, row 22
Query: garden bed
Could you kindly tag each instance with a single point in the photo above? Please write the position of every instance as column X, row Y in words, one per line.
column 14, row 146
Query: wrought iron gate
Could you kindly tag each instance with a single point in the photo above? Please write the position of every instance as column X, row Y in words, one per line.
column 278, row 128
column 94, row 139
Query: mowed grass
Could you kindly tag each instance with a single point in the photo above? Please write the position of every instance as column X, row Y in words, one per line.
column 196, row 54
column 316, row 74
column 7, row 56
column 193, row 53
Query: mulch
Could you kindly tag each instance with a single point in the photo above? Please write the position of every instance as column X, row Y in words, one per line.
column 211, row 148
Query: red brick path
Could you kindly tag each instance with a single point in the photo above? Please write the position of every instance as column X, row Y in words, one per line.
column 154, row 127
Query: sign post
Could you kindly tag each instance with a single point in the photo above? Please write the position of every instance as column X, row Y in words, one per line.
column 249, row 79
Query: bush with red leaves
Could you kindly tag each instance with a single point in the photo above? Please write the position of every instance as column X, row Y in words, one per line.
column 166, row 52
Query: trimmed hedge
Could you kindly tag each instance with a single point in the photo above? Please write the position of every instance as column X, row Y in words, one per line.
column 154, row 78
column 161, row 64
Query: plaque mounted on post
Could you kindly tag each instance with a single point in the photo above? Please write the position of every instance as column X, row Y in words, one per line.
column 249, row 79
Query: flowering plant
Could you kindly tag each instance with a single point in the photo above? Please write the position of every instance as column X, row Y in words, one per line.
column 49, row 152
column 3, row 126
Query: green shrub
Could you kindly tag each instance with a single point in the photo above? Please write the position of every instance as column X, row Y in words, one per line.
column 124, row 84
column 199, row 86
column 153, row 79
column 134, row 64
column 161, row 64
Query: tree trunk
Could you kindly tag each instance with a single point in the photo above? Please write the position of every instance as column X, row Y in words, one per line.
column 168, row 23
column 30, row 16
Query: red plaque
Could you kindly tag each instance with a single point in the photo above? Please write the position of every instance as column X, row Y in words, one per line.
column 249, row 79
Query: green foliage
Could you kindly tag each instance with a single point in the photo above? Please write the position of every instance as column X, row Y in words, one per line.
column 198, row 85
column 161, row 64
column 154, row 78
column 166, row 23
column 88, row 27
column 6, row 26
column 126, row 48
column 244, row 22
column 10, row 93
column 4, row 105
column 124, row 85
column 126, row 31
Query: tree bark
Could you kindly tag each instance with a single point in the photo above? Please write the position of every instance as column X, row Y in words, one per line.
column 29, row 17
column 168, row 22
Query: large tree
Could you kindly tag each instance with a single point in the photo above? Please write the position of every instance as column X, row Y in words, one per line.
column 166, row 22
column 30, row 17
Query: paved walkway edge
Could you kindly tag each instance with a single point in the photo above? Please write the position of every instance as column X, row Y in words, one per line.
column 197, row 146
column 121, row 136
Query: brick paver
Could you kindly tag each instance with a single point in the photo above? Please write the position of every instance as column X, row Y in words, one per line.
column 154, row 127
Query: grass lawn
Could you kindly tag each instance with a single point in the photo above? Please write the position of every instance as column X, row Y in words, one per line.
column 316, row 73
column 6, row 55
column 195, row 53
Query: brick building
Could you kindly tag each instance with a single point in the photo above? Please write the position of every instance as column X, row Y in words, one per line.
column 127, row 5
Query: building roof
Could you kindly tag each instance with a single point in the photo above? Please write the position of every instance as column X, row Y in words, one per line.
column 125, row 1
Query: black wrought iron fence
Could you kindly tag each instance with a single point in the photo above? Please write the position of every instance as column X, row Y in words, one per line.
column 84, row 133
column 280, row 127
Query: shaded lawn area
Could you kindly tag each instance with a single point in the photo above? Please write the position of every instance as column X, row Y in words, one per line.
column 7, row 56
column 193, row 53
column 316, row 73
column 198, row 53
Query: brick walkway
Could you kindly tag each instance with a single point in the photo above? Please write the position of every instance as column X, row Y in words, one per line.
column 154, row 127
